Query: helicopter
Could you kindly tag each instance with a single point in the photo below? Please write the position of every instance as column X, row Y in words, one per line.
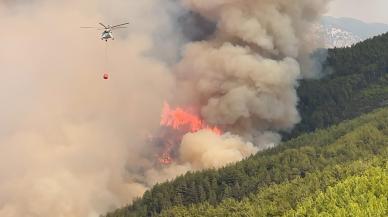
column 108, row 30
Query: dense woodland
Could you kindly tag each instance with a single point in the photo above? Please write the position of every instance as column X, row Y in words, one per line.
column 355, row 82
column 356, row 189
column 325, row 173
column 314, row 161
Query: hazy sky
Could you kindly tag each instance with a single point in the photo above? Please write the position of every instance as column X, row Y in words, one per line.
column 366, row 10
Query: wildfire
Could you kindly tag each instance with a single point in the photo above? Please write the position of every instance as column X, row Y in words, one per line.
column 175, row 123
column 178, row 118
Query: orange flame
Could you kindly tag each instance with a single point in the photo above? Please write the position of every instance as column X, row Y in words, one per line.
column 179, row 118
column 179, row 121
column 165, row 157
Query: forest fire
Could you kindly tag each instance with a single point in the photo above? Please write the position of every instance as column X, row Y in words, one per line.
column 179, row 118
column 175, row 123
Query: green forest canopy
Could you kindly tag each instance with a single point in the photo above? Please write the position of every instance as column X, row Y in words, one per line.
column 359, row 139
column 356, row 82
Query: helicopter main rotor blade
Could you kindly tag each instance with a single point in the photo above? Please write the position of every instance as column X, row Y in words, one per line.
column 88, row 27
column 120, row 25
column 103, row 25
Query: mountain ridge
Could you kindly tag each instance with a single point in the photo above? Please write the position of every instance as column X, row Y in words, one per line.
column 344, row 31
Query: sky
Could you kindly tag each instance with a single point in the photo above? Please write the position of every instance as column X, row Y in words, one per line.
column 365, row 10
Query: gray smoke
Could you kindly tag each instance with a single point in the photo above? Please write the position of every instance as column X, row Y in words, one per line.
column 244, row 77
column 194, row 27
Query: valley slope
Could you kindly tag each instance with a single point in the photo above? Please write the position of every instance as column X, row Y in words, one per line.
column 300, row 174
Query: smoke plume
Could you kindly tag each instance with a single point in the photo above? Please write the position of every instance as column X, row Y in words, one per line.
column 244, row 77
column 74, row 145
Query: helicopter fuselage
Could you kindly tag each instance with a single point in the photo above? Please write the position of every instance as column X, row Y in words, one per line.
column 107, row 34
column 108, row 30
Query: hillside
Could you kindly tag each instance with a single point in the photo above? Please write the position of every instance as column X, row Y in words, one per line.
column 339, row 150
column 356, row 82
column 336, row 190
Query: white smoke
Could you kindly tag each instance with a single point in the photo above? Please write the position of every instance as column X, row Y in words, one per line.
column 208, row 150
